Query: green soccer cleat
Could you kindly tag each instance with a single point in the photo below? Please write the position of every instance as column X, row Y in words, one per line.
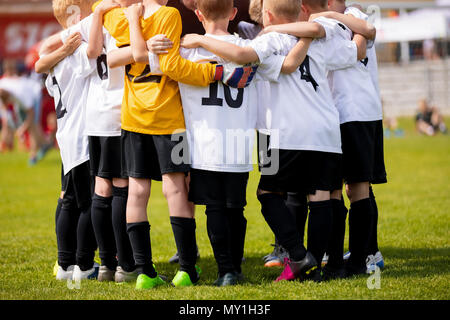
column 182, row 278
column 144, row 282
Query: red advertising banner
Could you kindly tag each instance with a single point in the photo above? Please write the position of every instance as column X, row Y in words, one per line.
column 18, row 33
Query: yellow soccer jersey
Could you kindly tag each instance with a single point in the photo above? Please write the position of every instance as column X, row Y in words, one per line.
column 152, row 103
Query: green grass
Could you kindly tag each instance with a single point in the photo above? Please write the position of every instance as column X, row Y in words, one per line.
column 413, row 235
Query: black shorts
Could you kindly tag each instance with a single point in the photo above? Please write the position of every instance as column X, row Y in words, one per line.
column 105, row 157
column 363, row 148
column 147, row 156
column 304, row 172
column 228, row 189
column 78, row 187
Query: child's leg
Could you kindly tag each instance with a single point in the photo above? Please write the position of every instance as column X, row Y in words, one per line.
column 66, row 234
column 119, row 207
column 319, row 223
column 335, row 249
column 102, row 222
column 237, row 228
column 138, row 227
column 297, row 204
column 219, row 235
column 360, row 217
column 182, row 220
column 373, row 240
column 86, row 242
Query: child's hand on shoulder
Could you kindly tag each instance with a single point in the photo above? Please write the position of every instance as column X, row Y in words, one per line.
column 134, row 12
column 159, row 44
column 191, row 41
column 72, row 43
column 106, row 5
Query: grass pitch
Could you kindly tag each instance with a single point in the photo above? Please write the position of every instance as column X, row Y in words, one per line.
column 413, row 236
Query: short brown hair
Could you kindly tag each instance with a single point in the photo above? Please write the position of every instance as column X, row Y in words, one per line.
column 317, row 4
column 61, row 9
column 285, row 8
column 215, row 9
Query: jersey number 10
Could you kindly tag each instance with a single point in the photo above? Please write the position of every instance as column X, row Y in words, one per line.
column 214, row 100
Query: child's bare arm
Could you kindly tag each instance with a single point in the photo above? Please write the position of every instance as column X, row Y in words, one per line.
column 296, row 56
column 361, row 44
column 137, row 42
column 95, row 45
column 47, row 62
column 355, row 24
column 51, row 44
column 120, row 57
column 299, row 29
column 226, row 50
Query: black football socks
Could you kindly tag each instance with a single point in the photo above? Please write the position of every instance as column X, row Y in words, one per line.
column 139, row 234
column 57, row 212
column 298, row 206
column 184, row 234
column 282, row 223
column 335, row 249
column 238, row 229
column 66, row 235
column 218, row 228
column 319, row 228
column 119, row 220
column 373, row 240
column 101, row 213
column 359, row 222
column 86, row 241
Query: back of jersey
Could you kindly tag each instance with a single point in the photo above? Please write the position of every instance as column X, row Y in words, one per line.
column 220, row 120
column 67, row 83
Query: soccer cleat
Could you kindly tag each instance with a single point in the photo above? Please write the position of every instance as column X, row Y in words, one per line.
column 182, row 278
column 325, row 259
column 175, row 258
column 144, row 282
column 122, row 276
column 105, row 274
column 62, row 274
column 373, row 262
column 229, row 279
column 90, row 274
column 298, row 269
column 276, row 258
column 379, row 260
column 332, row 273
column 347, row 255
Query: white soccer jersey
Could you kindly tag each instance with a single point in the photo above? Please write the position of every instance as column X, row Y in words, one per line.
column 355, row 89
column 106, row 87
column 220, row 120
column 67, row 84
column 302, row 108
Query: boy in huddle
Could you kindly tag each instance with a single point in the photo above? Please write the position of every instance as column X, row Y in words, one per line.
column 221, row 124
column 152, row 127
column 66, row 82
column 307, row 122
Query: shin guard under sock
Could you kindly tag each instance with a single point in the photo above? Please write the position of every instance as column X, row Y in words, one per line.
column 280, row 220
column 359, row 231
column 298, row 206
column 238, row 230
column 139, row 234
column 86, row 241
column 119, row 221
column 335, row 248
column 184, row 234
column 373, row 239
column 101, row 214
column 66, row 236
column 319, row 228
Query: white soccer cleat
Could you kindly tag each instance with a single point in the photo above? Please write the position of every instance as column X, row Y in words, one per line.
column 62, row 274
column 79, row 275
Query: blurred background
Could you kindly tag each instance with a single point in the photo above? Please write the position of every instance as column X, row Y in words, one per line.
column 412, row 46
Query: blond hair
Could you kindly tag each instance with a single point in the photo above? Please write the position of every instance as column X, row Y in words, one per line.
column 285, row 8
column 255, row 11
column 215, row 9
column 65, row 9
column 317, row 4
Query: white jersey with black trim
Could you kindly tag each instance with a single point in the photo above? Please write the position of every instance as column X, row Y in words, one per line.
column 355, row 89
column 220, row 120
column 106, row 86
column 302, row 108
column 67, row 84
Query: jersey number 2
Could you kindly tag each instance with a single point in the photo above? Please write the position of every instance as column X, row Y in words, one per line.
column 214, row 100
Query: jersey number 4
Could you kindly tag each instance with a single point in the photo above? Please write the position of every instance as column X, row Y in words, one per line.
column 306, row 73
column 214, row 100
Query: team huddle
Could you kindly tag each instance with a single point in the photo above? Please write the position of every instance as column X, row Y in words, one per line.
column 136, row 103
